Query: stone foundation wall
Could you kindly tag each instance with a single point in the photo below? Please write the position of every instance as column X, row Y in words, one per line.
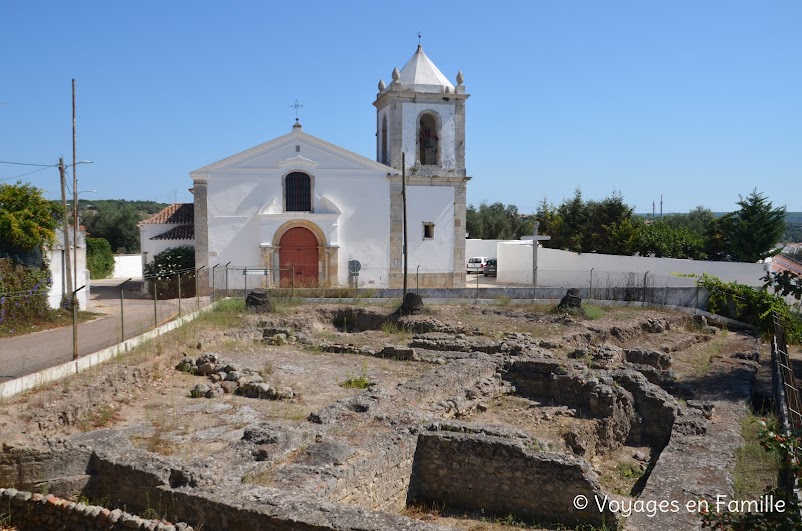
column 380, row 482
column 601, row 394
column 61, row 469
column 33, row 512
column 502, row 477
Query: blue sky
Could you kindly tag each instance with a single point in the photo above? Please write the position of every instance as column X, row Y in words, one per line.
column 700, row 101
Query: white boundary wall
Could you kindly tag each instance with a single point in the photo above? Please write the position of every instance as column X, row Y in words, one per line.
column 474, row 247
column 560, row 268
column 127, row 266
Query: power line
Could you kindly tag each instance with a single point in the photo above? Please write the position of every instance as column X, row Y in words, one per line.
column 27, row 164
column 24, row 174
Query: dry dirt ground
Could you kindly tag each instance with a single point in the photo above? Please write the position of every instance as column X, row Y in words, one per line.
column 143, row 394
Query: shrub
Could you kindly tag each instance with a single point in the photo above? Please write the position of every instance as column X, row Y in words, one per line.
column 23, row 294
column 99, row 258
column 167, row 267
column 753, row 306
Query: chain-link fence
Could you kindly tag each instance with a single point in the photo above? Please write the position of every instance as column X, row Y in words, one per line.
column 135, row 306
column 236, row 281
column 118, row 311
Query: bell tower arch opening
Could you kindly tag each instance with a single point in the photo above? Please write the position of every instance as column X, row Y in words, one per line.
column 428, row 140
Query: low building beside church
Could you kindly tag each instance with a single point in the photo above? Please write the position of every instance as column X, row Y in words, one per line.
column 305, row 209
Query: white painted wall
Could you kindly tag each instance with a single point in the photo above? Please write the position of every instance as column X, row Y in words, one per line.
column 477, row 247
column 127, row 266
column 150, row 248
column 58, row 287
column 410, row 113
column 430, row 204
column 351, row 204
column 560, row 268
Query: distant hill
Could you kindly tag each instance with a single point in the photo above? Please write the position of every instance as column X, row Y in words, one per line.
column 793, row 227
column 145, row 209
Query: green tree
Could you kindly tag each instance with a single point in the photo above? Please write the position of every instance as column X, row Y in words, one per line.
column 496, row 222
column 606, row 226
column 753, row 231
column 99, row 258
column 607, row 220
column 665, row 240
column 27, row 220
column 117, row 225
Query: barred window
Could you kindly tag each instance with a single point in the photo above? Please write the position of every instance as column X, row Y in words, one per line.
column 297, row 192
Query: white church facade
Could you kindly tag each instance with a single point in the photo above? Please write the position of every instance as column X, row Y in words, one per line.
column 305, row 209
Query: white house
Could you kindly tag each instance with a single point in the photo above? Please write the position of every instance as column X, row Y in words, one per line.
column 305, row 209
column 172, row 227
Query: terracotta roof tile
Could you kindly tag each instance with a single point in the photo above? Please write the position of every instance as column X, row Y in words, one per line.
column 181, row 232
column 175, row 213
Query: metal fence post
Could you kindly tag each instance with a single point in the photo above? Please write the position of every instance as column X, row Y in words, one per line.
column 645, row 276
column 75, row 323
column 227, row 279
column 179, row 295
column 155, row 301
column 213, row 273
column 590, row 291
column 245, row 274
column 122, row 309
column 197, row 287
column 292, row 281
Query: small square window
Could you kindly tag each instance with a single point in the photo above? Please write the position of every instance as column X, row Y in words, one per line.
column 428, row 231
column 297, row 149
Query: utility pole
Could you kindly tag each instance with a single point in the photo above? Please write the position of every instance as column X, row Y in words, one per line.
column 66, row 256
column 404, row 205
column 74, row 199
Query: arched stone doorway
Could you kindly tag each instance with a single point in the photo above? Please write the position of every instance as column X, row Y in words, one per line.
column 298, row 258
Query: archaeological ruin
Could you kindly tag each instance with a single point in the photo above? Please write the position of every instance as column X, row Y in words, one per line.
column 351, row 416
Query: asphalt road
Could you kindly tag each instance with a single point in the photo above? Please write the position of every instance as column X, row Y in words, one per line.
column 30, row 353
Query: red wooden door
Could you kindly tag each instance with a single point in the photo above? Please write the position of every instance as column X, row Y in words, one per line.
column 298, row 256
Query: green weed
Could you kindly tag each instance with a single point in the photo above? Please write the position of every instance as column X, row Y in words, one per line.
column 756, row 469
column 357, row 382
column 593, row 312
column 99, row 416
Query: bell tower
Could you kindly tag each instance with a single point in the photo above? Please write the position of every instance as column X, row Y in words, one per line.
column 422, row 114
column 420, row 119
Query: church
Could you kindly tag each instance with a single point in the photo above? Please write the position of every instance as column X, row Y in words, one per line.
column 311, row 213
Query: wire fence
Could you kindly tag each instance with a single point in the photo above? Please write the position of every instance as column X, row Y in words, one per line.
column 681, row 290
column 788, row 403
column 118, row 312
column 133, row 307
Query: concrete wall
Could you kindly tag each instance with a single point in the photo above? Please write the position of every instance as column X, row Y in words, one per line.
column 566, row 269
column 476, row 247
column 431, row 204
column 54, row 257
column 127, row 266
